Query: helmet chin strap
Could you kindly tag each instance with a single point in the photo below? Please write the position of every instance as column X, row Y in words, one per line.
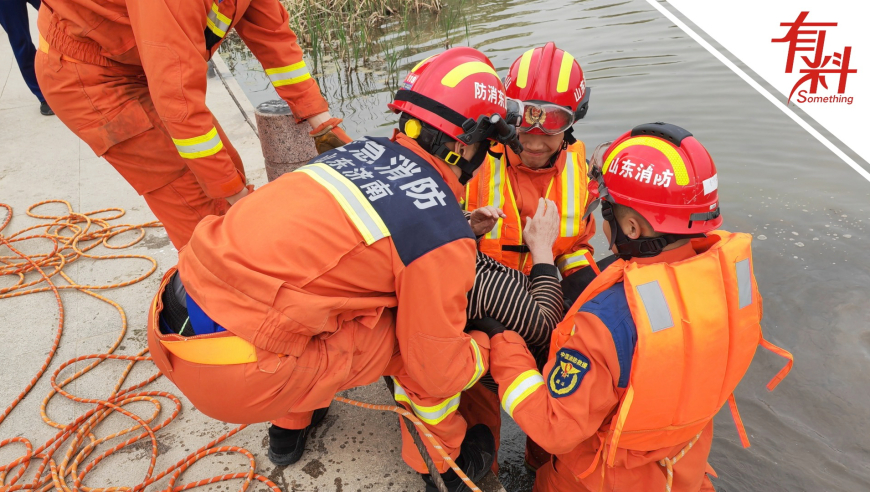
column 466, row 166
column 642, row 247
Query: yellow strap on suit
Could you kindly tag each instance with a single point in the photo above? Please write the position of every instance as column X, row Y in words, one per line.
column 223, row 351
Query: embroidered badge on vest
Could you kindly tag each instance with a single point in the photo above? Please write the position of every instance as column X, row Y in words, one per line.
column 567, row 372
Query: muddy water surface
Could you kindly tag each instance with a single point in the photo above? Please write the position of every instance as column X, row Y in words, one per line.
column 807, row 210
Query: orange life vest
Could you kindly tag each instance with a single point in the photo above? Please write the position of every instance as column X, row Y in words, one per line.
column 568, row 190
column 698, row 326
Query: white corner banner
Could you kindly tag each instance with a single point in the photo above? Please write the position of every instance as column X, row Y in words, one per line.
column 816, row 54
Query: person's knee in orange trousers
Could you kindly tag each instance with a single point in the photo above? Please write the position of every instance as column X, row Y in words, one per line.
column 111, row 110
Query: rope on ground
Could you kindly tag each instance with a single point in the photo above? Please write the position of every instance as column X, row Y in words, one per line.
column 72, row 236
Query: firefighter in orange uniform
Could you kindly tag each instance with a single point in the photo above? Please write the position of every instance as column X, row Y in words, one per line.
column 656, row 344
column 547, row 91
column 129, row 78
column 353, row 267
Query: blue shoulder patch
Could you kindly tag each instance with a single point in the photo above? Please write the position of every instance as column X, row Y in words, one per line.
column 567, row 372
column 611, row 307
column 409, row 195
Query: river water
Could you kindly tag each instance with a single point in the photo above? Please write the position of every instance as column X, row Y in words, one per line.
column 808, row 211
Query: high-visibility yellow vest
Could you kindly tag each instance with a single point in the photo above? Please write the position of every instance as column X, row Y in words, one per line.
column 568, row 190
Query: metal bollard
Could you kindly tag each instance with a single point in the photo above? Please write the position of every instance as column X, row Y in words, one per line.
column 286, row 145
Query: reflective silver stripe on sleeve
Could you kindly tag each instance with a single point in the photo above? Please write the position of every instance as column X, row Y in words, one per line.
column 744, row 283
column 288, row 75
column 342, row 186
column 200, row 147
column 218, row 21
column 520, row 389
column 656, row 306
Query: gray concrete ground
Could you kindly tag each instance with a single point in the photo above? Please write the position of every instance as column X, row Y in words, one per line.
column 41, row 159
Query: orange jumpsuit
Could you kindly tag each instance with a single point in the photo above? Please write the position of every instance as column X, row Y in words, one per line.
column 322, row 300
column 568, row 426
column 518, row 197
column 129, row 78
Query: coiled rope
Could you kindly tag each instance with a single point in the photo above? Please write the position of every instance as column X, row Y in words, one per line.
column 72, row 236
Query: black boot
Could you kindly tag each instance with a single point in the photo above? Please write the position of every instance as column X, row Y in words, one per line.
column 45, row 109
column 286, row 445
column 476, row 455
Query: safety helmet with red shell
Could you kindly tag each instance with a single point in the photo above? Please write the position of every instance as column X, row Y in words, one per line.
column 549, row 75
column 459, row 97
column 662, row 172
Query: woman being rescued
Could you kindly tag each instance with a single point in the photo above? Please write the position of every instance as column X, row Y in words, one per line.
column 531, row 305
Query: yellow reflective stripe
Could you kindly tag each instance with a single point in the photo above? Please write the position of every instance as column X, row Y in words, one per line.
column 478, row 365
column 421, row 63
column 572, row 209
column 291, row 74
column 523, row 72
column 459, row 73
column 430, row 415
column 572, row 260
column 565, row 72
column 510, row 194
column 351, row 199
column 201, row 146
column 497, row 174
column 524, row 385
column 680, row 174
column 218, row 22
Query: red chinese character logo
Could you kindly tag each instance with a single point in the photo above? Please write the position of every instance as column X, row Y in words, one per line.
column 805, row 36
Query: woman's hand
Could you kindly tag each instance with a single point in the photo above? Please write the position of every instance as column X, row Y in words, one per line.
column 541, row 231
column 483, row 219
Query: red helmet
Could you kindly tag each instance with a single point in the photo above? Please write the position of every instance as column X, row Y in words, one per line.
column 447, row 89
column 549, row 75
column 667, row 176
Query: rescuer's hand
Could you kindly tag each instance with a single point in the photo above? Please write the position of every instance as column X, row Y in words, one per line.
column 238, row 196
column 597, row 159
column 490, row 326
column 483, row 219
column 541, row 231
column 326, row 134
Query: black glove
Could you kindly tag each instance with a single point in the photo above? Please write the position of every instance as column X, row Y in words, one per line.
column 487, row 325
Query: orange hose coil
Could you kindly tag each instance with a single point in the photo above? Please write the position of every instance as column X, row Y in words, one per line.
column 68, row 235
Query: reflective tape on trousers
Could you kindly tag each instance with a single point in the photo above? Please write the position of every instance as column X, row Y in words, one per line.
column 430, row 415
column 478, row 365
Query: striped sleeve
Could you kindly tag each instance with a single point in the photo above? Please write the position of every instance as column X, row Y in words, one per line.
column 530, row 308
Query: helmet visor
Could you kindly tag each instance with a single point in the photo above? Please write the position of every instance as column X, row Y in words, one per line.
column 550, row 118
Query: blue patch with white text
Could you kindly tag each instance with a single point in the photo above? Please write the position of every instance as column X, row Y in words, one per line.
column 567, row 373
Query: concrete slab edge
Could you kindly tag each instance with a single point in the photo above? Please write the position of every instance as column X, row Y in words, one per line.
column 235, row 91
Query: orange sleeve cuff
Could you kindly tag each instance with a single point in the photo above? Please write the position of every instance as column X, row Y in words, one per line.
column 304, row 103
column 228, row 187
